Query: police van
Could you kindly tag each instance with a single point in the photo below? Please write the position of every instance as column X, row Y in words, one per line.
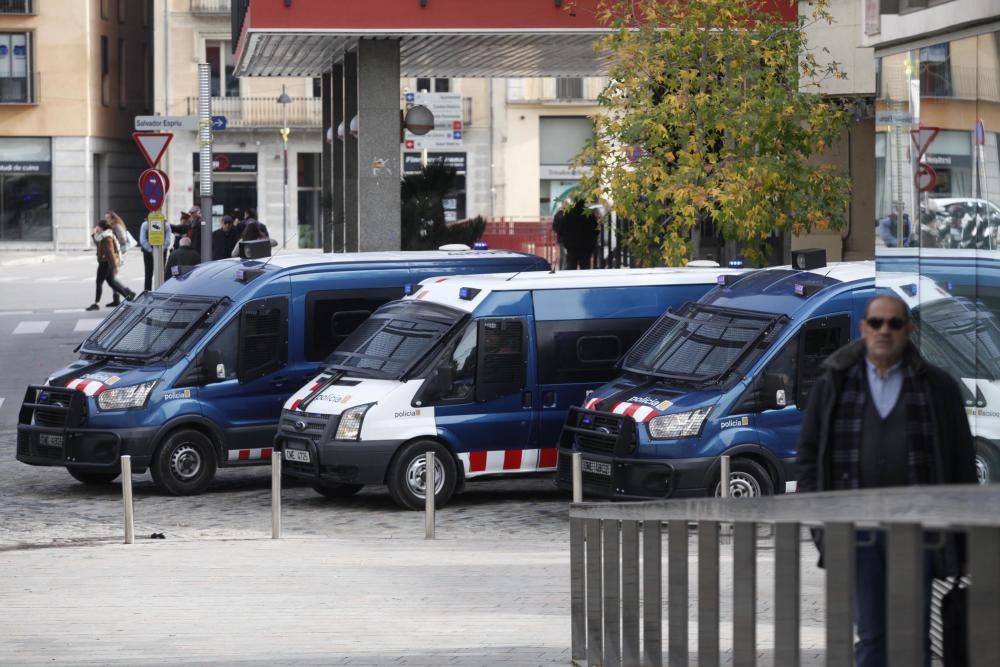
column 729, row 375
column 193, row 376
column 478, row 369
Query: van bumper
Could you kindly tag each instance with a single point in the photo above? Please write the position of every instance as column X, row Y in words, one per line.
column 89, row 449
column 338, row 461
column 622, row 478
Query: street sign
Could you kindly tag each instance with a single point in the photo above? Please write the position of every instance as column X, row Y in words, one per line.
column 894, row 118
column 219, row 123
column 980, row 133
column 922, row 138
column 153, row 188
column 155, row 226
column 165, row 123
column 925, row 179
column 152, row 145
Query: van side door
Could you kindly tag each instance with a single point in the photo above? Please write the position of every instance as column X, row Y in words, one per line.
column 241, row 396
column 482, row 402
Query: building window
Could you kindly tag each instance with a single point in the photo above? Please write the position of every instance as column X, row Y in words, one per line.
column 560, row 139
column 147, row 10
column 147, row 78
column 935, row 71
column 121, row 11
column 309, row 191
column 427, row 85
column 317, row 87
column 25, row 189
column 220, row 60
column 15, row 68
column 105, row 71
column 105, row 11
column 122, row 78
column 569, row 89
column 16, row 7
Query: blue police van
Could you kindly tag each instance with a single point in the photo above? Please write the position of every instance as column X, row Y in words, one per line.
column 193, row 376
column 479, row 370
column 729, row 374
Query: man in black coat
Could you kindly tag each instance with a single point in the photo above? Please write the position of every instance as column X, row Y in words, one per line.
column 576, row 230
column 880, row 416
column 224, row 239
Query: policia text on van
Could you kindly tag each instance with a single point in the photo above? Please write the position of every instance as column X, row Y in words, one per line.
column 193, row 376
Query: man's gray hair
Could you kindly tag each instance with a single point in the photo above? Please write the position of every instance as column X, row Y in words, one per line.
column 185, row 242
column 891, row 296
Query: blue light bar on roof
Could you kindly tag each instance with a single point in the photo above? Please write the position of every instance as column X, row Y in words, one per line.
column 480, row 245
column 736, row 263
column 408, row 289
column 806, row 289
column 468, row 293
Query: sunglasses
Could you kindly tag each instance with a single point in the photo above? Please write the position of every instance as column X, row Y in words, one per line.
column 895, row 323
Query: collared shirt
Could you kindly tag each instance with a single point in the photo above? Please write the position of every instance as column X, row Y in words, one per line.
column 144, row 237
column 885, row 390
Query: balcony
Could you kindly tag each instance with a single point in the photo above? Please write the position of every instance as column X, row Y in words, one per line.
column 263, row 112
column 17, row 6
column 19, row 90
column 211, row 7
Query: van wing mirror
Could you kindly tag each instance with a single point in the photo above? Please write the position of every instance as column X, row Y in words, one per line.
column 773, row 392
column 213, row 368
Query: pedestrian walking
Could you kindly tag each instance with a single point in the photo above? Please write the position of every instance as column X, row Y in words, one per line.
column 147, row 252
column 108, row 262
column 879, row 416
column 184, row 256
column 576, row 230
column 122, row 235
column 224, row 239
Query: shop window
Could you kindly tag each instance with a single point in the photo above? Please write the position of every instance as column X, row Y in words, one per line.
column 25, row 189
column 15, row 68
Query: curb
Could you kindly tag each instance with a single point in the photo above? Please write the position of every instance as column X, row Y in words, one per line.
column 34, row 259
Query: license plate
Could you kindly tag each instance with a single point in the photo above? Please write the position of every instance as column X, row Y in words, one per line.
column 50, row 440
column 297, row 455
column 596, row 467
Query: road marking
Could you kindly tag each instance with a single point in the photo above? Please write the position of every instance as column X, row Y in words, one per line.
column 54, row 279
column 11, row 279
column 69, row 310
column 87, row 324
column 29, row 327
column 16, row 312
column 2, row 400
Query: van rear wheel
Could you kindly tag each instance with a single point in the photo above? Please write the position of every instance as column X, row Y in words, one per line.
column 336, row 490
column 987, row 466
column 184, row 465
column 407, row 479
column 747, row 479
column 94, row 477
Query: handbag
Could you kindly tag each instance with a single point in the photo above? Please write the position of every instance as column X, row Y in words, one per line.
column 954, row 626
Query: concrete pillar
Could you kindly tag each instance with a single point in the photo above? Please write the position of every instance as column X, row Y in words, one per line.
column 378, row 168
column 321, row 235
column 337, row 171
column 351, row 219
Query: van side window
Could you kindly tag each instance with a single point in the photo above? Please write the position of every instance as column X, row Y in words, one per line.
column 263, row 337
column 331, row 316
column 584, row 351
column 818, row 339
column 454, row 377
column 501, row 368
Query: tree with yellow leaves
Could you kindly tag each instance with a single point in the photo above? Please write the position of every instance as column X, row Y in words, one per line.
column 713, row 112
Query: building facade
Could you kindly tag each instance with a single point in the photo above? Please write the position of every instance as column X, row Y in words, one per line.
column 249, row 156
column 72, row 77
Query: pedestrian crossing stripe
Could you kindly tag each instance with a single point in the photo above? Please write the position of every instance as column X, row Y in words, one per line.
column 30, row 327
column 87, row 324
column 1, row 402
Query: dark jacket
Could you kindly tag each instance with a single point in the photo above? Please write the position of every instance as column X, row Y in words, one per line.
column 953, row 458
column 182, row 257
column 576, row 229
column 223, row 243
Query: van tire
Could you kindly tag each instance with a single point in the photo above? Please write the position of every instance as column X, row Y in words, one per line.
column 93, row 477
column 987, row 463
column 406, row 476
column 336, row 489
column 184, row 465
column 748, row 479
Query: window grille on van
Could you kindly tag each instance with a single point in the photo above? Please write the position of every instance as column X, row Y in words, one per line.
column 264, row 329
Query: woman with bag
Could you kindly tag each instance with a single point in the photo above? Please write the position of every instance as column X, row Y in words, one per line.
column 108, row 262
column 125, row 240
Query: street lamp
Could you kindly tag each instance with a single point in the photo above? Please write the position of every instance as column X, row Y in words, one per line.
column 284, row 100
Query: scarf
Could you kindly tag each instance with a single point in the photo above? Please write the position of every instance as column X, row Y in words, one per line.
column 848, row 421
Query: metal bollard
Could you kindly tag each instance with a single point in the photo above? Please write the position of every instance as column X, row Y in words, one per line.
column 275, row 494
column 577, row 477
column 55, row 237
column 724, row 477
column 127, row 499
column 430, row 482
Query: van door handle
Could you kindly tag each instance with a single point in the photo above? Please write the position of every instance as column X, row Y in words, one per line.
column 526, row 399
column 549, row 399
column 279, row 381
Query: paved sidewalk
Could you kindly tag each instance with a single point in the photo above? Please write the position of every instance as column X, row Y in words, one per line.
column 318, row 601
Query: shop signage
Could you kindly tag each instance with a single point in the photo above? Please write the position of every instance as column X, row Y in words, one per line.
column 448, row 122
column 25, row 167
column 229, row 163
column 412, row 163
column 561, row 172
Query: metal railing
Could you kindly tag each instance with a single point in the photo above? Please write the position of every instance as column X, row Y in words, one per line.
column 211, row 6
column 242, row 112
column 22, row 90
column 17, row 6
column 535, row 236
column 616, row 616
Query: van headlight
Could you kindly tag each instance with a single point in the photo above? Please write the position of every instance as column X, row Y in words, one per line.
column 679, row 425
column 123, row 398
column 351, row 419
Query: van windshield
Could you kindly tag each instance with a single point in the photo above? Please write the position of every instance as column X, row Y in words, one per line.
column 153, row 326
column 955, row 336
column 701, row 344
column 394, row 339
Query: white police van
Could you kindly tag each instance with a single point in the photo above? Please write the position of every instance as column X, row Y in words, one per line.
column 478, row 369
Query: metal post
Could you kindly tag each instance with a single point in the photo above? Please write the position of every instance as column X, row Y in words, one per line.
column 205, row 157
column 127, row 499
column 158, row 262
column 284, row 100
column 275, row 494
column 724, row 477
column 55, row 237
column 430, row 482
column 577, row 477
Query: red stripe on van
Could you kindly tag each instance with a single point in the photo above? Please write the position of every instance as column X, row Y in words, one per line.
column 295, row 405
column 265, row 454
column 548, row 457
column 512, row 459
column 632, row 409
column 244, row 455
column 477, row 461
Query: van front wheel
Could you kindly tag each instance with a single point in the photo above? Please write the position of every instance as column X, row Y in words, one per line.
column 407, row 479
column 184, row 464
column 747, row 479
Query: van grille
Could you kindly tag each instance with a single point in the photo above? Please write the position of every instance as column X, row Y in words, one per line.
column 54, row 407
column 601, row 432
column 312, row 425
